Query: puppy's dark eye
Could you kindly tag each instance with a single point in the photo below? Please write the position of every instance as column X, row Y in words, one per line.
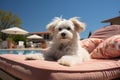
column 68, row 28
column 60, row 29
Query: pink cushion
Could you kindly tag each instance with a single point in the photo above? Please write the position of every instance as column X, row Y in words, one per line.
column 90, row 44
column 106, row 32
column 93, row 69
column 110, row 48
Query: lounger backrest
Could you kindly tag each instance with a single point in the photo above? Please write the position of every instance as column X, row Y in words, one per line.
column 4, row 44
column 21, row 43
column 106, row 32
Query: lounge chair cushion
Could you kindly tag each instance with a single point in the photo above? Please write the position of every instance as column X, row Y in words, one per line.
column 94, row 69
column 106, row 32
column 91, row 43
column 110, row 48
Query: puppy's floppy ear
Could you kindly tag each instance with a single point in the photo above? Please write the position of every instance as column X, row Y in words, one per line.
column 51, row 26
column 79, row 26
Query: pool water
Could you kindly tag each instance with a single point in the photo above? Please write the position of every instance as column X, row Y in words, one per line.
column 19, row 51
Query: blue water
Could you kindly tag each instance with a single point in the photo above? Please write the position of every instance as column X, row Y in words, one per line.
column 19, row 51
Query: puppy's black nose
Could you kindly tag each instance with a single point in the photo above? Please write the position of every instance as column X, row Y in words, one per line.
column 63, row 34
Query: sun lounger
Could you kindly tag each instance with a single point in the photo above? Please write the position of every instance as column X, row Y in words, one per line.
column 21, row 44
column 4, row 44
column 95, row 69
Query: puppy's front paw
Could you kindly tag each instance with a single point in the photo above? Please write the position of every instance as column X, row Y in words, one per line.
column 67, row 61
column 34, row 57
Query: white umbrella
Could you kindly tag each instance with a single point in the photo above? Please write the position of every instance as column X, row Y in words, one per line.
column 14, row 30
column 34, row 36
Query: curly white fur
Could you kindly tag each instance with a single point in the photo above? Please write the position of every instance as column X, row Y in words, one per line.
column 66, row 47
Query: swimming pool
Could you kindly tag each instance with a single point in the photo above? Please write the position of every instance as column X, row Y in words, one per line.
column 19, row 52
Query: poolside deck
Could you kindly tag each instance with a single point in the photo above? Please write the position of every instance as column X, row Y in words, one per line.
column 22, row 49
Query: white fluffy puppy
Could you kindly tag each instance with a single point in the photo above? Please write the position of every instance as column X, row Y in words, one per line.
column 65, row 47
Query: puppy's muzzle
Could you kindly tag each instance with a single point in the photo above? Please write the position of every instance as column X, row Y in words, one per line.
column 63, row 35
